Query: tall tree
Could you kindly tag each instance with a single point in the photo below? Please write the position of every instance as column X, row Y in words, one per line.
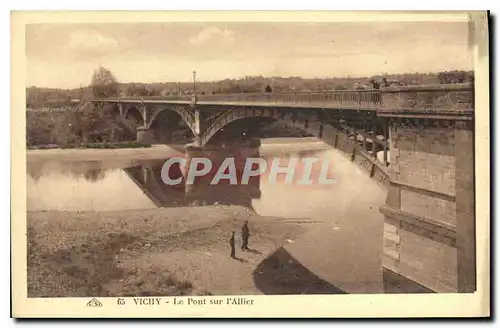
column 104, row 83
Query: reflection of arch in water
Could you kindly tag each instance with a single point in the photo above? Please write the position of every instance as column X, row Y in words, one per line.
column 148, row 177
column 202, row 192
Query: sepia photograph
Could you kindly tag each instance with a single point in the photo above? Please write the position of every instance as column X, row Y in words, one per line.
column 207, row 162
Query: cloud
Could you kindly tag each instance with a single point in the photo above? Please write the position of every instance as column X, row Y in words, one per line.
column 213, row 34
column 91, row 40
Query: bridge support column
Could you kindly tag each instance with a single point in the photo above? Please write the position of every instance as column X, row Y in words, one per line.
column 197, row 142
column 466, row 223
column 145, row 135
column 199, row 128
column 429, row 221
column 385, row 128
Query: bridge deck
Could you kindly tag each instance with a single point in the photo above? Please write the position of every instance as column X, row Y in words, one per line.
column 286, row 104
column 436, row 97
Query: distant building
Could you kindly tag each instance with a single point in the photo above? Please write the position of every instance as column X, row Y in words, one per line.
column 358, row 86
column 391, row 82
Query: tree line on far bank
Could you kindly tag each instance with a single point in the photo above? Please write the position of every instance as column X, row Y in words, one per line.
column 105, row 84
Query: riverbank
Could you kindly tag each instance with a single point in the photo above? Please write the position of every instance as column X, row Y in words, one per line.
column 268, row 147
column 170, row 251
column 95, row 145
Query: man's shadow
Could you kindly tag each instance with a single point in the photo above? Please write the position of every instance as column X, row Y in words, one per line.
column 251, row 251
column 241, row 260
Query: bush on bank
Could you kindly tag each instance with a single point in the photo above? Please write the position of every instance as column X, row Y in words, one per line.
column 71, row 127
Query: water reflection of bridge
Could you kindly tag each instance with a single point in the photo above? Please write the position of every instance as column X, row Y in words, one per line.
column 148, row 179
column 147, row 176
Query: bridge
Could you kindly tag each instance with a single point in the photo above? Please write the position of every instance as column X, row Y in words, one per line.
column 417, row 141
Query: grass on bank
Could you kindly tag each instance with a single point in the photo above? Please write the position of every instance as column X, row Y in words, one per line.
column 85, row 268
column 100, row 145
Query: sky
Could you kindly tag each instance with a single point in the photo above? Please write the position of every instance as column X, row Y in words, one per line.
column 65, row 55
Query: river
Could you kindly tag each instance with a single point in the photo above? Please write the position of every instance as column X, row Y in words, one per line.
column 113, row 184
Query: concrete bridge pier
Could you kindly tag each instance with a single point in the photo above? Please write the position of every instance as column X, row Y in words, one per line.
column 465, row 208
column 145, row 135
column 429, row 212
column 197, row 142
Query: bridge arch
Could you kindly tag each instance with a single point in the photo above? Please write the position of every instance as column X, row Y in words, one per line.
column 134, row 112
column 335, row 136
column 186, row 114
column 234, row 115
column 313, row 125
column 168, row 125
column 238, row 128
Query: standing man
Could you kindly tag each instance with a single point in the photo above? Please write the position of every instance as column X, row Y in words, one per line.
column 245, row 233
column 232, row 245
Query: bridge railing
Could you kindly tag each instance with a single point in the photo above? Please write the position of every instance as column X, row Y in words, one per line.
column 436, row 97
column 348, row 97
column 356, row 98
